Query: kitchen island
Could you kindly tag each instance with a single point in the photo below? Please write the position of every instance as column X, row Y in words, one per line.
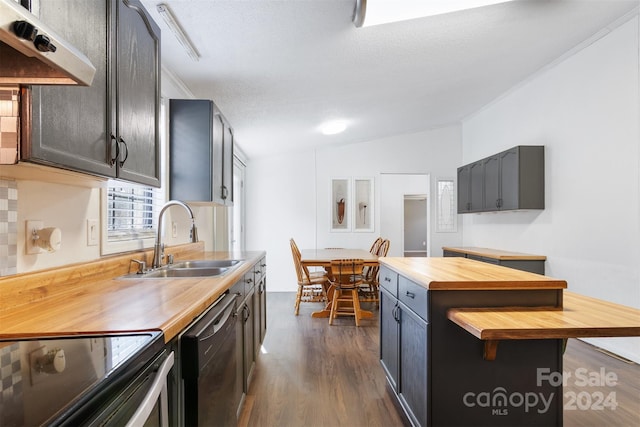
column 439, row 341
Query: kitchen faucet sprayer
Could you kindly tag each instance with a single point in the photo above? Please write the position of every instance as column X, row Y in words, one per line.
column 158, row 251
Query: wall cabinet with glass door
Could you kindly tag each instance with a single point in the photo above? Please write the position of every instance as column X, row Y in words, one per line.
column 200, row 152
column 109, row 129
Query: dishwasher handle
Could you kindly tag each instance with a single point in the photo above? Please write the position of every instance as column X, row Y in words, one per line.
column 219, row 322
column 158, row 390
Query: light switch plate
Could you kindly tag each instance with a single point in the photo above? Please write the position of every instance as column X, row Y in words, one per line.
column 93, row 232
column 30, row 247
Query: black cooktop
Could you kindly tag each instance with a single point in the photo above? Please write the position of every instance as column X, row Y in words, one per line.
column 44, row 378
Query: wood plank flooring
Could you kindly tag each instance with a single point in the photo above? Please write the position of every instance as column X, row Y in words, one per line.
column 313, row 374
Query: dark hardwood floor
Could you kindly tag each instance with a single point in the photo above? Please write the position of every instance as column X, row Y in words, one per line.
column 313, row 374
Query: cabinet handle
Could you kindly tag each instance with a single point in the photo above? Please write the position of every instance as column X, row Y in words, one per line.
column 249, row 280
column 410, row 295
column 114, row 159
column 126, row 151
column 387, row 279
column 225, row 192
column 394, row 313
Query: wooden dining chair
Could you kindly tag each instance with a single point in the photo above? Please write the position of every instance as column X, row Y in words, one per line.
column 369, row 290
column 311, row 285
column 346, row 277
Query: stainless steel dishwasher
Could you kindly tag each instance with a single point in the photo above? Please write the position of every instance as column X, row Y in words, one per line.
column 209, row 361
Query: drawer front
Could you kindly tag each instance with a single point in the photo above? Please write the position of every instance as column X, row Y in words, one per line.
column 389, row 280
column 238, row 289
column 413, row 296
column 258, row 271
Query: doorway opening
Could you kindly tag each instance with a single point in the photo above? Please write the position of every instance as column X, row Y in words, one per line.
column 415, row 225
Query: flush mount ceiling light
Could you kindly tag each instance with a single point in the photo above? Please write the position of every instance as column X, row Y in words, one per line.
column 333, row 127
column 177, row 30
column 376, row 12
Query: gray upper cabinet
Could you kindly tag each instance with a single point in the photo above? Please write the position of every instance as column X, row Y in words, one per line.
column 470, row 190
column 109, row 129
column 510, row 180
column 200, row 152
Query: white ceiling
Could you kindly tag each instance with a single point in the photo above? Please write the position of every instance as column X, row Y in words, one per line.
column 278, row 68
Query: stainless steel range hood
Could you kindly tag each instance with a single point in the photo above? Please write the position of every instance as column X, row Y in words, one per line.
column 32, row 53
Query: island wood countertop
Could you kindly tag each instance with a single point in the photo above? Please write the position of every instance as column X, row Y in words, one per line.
column 579, row 317
column 495, row 253
column 89, row 298
column 454, row 273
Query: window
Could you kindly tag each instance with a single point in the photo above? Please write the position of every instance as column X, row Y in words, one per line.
column 131, row 214
column 446, row 218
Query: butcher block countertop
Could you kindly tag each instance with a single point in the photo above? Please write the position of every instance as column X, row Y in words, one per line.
column 91, row 298
column 495, row 254
column 453, row 273
column 579, row 317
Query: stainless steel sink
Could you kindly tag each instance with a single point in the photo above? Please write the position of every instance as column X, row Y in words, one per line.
column 206, row 263
column 196, row 268
column 185, row 272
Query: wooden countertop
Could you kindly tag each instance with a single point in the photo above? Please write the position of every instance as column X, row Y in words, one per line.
column 495, row 253
column 40, row 304
column 579, row 317
column 457, row 273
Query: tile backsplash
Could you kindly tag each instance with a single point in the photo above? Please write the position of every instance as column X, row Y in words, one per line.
column 8, row 227
column 9, row 124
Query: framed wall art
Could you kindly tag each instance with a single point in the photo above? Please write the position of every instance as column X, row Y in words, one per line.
column 363, row 204
column 340, row 204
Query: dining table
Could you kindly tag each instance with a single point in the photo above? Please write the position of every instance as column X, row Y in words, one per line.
column 323, row 257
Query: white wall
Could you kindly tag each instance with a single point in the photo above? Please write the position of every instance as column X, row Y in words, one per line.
column 288, row 195
column 585, row 111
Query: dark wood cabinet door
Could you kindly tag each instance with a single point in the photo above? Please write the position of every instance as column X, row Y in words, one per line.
column 509, row 179
column 414, row 366
column 389, row 338
column 491, row 179
column 227, row 166
column 138, row 94
column 190, row 146
column 464, row 182
column 476, row 196
column 218, row 157
column 70, row 124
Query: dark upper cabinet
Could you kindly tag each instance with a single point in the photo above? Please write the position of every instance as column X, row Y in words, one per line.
column 470, row 190
column 109, row 129
column 510, row 180
column 200, row 152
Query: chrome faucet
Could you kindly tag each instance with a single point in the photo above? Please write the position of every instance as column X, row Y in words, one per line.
column 158, row 251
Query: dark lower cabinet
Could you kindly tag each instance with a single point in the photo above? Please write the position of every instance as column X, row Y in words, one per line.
column 414, row 365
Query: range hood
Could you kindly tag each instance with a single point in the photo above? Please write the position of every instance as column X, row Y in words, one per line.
column 32, row 53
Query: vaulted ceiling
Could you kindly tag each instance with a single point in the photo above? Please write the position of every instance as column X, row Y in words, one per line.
column 278, row 68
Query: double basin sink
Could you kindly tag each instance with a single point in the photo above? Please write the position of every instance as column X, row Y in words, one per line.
column 197, row 268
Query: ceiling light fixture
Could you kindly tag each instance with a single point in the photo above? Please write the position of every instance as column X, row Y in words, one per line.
column 375, row 12
column 177, row 30
column 333, row 127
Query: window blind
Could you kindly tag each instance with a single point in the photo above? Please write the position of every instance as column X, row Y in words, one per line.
column 132, row 211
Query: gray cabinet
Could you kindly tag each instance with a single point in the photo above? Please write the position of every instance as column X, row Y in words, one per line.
column 518, row 261
column 109, row 129
column 404, row 343
column 510, row 180
column 200, row 152
column 470, row 189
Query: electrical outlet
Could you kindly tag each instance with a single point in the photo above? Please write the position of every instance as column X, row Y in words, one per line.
column 93, row 232
column 174, row 229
